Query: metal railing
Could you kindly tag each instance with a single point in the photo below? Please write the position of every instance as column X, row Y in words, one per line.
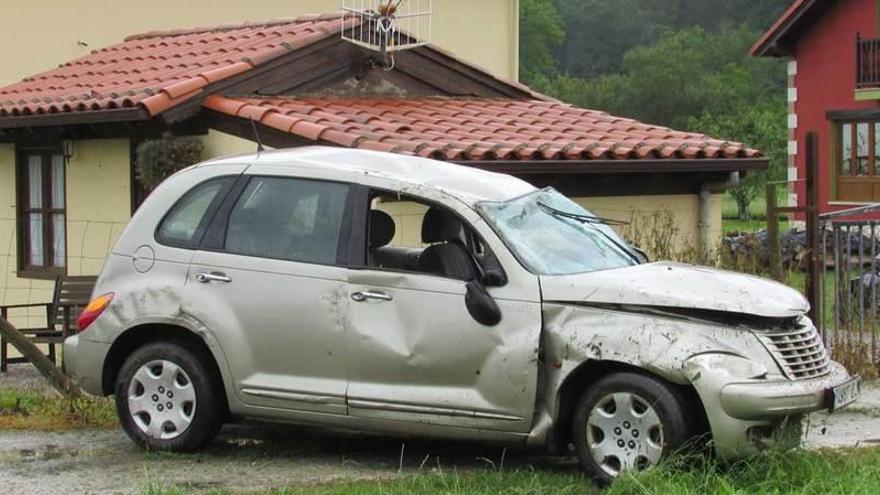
column 849, row 282
column 867, row 63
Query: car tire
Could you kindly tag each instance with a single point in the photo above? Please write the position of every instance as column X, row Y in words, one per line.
column 627, row 421
column 168, row 399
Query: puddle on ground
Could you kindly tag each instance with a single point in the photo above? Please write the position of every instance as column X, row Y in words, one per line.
column 47, row 452
column 245, row 442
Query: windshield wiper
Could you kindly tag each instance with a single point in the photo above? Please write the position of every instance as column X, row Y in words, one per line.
column 592, row 219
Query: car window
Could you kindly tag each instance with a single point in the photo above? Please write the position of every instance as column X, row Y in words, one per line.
column 186, row 221
column 407, row 234
column 288, row 219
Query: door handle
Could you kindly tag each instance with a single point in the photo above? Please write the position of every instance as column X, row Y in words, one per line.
column 212, row 277
column 370, row 294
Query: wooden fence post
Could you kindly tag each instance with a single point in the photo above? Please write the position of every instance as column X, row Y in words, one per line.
column 774, row 247
column 814, row 262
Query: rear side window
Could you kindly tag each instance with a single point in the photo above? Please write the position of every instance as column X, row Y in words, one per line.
column 184, row 225
column 288, row 219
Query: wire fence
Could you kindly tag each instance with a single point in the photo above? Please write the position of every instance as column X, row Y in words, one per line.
column 87, row 245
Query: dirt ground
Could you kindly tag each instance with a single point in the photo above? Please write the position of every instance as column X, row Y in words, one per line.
column 254, row 456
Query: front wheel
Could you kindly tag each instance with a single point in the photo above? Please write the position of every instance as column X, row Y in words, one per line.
column 627, row 421
column 167, row 398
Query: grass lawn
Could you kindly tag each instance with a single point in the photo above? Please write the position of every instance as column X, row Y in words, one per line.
column 828, row 472
column 37, row 410
column 757, row 208
column 757, row 213
column 730, row 225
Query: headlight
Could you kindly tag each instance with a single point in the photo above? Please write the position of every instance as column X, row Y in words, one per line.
column 731, row 364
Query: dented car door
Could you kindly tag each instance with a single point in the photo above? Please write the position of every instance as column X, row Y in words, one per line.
column 418, row 355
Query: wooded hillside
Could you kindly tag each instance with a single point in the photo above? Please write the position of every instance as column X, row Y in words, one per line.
column 678, row 63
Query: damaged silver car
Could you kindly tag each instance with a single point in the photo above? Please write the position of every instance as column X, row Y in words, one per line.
column 380, row 292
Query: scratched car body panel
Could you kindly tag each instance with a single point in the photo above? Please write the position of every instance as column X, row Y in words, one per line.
column 281, row 268
column 695, row 287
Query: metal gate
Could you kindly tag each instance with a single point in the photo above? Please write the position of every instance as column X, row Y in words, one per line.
column 842, row 280
column 846, row 309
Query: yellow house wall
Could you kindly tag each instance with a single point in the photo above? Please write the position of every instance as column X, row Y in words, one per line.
column 407, row 222
column 7, row 224
column 98, row 208
column 684, row 209
column 219, row 144
column 37, row 36
column 98, row 202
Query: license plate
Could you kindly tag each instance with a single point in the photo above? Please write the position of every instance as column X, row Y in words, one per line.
column 845, row 394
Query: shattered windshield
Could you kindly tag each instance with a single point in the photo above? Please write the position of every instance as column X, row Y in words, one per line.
column 553, row 235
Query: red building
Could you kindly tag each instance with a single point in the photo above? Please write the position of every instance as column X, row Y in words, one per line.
column 833, row 90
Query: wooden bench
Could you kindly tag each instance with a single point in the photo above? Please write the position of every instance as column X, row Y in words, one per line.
column 71, row 295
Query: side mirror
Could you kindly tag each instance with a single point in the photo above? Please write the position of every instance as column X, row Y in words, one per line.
column 494, row 277
column 493, row 274
column 480, row 304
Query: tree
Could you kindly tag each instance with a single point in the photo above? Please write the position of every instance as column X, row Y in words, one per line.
column 599, row 32
column 679, row 63
column 541, row 33
column 760, row 126
column 684, row 74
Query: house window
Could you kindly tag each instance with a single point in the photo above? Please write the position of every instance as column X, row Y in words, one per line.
column 42, row 215
column 857, row 161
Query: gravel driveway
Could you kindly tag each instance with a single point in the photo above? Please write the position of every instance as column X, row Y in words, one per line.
column 254, row 456
column 243, row 458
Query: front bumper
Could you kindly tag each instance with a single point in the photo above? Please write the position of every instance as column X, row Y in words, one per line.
column 762, row 399
column 84, row 362
column 746, row 416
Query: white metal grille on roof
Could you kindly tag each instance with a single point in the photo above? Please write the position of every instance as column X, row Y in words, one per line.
column 387, row 25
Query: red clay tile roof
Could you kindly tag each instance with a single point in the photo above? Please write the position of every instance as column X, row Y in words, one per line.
column 475, row 128
column 161, row 69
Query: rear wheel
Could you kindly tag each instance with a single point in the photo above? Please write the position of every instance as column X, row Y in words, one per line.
column 627, row 421
column 167, row 398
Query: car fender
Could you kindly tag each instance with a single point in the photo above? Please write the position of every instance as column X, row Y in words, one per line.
column 153, row 305
column 575, row 335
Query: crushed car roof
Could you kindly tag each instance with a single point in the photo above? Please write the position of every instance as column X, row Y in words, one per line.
column 468, row 184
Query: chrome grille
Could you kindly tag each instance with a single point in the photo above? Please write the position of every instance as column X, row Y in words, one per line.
column 799, row 350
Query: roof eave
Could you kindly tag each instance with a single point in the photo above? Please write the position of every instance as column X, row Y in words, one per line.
column 133, row 114
column 771, row 49
column 773, row 42
column 659, row 165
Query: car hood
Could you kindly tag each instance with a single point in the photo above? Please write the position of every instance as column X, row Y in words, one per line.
column 677, row 286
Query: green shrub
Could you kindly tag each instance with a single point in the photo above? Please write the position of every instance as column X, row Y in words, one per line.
column 158, row 159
